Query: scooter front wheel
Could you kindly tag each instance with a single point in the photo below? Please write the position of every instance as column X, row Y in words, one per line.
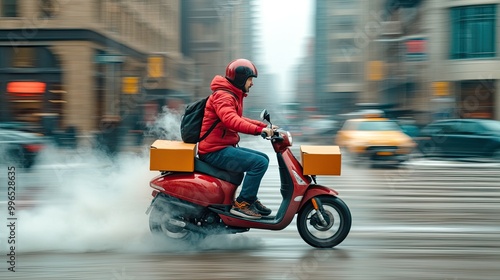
column 328, row 229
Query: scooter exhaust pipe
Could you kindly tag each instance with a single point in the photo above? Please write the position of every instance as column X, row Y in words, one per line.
column 177, row 223
column 187, row 226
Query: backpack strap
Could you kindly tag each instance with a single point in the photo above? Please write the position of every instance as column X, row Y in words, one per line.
column 212, row 127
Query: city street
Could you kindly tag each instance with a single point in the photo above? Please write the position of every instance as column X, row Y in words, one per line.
column 82, row 216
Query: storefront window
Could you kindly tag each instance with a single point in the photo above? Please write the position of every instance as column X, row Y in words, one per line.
column 37, row 103
column 26, row 100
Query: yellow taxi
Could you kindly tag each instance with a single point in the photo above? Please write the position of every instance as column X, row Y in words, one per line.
column 374, row 139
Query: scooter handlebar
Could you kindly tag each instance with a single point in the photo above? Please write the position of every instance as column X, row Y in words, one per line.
column 264, row 134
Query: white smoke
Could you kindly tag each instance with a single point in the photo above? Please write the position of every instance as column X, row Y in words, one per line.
column 88, row 202
column 96, row 206
column 167, row 125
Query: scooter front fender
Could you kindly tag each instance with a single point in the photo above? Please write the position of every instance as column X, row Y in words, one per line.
column 316, row 190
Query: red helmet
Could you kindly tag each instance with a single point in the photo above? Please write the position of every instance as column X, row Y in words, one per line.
column 239, row 70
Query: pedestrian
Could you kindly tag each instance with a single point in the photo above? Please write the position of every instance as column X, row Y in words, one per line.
column 220, row 148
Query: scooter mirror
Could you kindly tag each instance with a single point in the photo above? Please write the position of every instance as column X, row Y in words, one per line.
column 265, row 115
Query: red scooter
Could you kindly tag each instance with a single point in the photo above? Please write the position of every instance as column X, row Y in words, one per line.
column 188, row 206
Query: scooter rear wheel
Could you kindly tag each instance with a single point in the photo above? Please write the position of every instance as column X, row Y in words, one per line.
column 167, row 222
column 338, row 223
column 159, row 224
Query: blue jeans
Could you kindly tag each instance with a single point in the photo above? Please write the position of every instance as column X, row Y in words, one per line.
column 238, row 159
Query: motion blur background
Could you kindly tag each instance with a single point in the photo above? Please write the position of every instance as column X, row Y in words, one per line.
column 116, row 75
column 87, row 72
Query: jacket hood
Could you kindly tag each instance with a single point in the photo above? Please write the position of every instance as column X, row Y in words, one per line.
column 221, row 83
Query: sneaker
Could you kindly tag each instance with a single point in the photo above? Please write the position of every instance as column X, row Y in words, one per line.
column 245, row 210
column 261, row 209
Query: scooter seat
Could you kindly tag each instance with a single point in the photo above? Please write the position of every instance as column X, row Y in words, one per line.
column 232, row 177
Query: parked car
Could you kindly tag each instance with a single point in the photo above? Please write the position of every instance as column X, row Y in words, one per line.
column 20, row 148
column 375, row 140
column 461, row 138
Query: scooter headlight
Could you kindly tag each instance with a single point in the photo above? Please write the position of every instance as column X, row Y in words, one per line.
column 290, row 139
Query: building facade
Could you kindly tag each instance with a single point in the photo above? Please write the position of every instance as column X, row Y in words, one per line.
column 424, row 59
column 90, row 65
column 215, row 32
column 98, row 65
column 396, row 57
column 337, row 55
column 464, row 43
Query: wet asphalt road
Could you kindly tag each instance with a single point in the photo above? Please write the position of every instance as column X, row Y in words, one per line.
column 81, row 219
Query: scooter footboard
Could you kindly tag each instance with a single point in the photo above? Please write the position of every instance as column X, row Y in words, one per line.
column 316, row 190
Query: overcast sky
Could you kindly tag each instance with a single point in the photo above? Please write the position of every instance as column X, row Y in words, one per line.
column 284, row 27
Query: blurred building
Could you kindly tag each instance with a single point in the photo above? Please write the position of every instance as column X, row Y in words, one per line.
column 358, row 55
column 304, row 83
column 436, row 59
column 215, row 32
column 90, row 65
column 396, row 57
column 95, row 65
column 337, row 58
column 464, row 43
column 418, row 58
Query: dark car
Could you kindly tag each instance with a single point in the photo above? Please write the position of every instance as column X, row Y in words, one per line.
column 20, row 148
column 461, row 138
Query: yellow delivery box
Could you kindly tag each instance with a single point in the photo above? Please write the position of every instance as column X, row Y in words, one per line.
column 167, row 155
column 321, row 160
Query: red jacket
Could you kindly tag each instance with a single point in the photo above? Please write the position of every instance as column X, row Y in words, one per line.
column 229, row 109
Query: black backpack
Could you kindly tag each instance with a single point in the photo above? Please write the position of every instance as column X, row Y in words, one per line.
column 192, row 120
